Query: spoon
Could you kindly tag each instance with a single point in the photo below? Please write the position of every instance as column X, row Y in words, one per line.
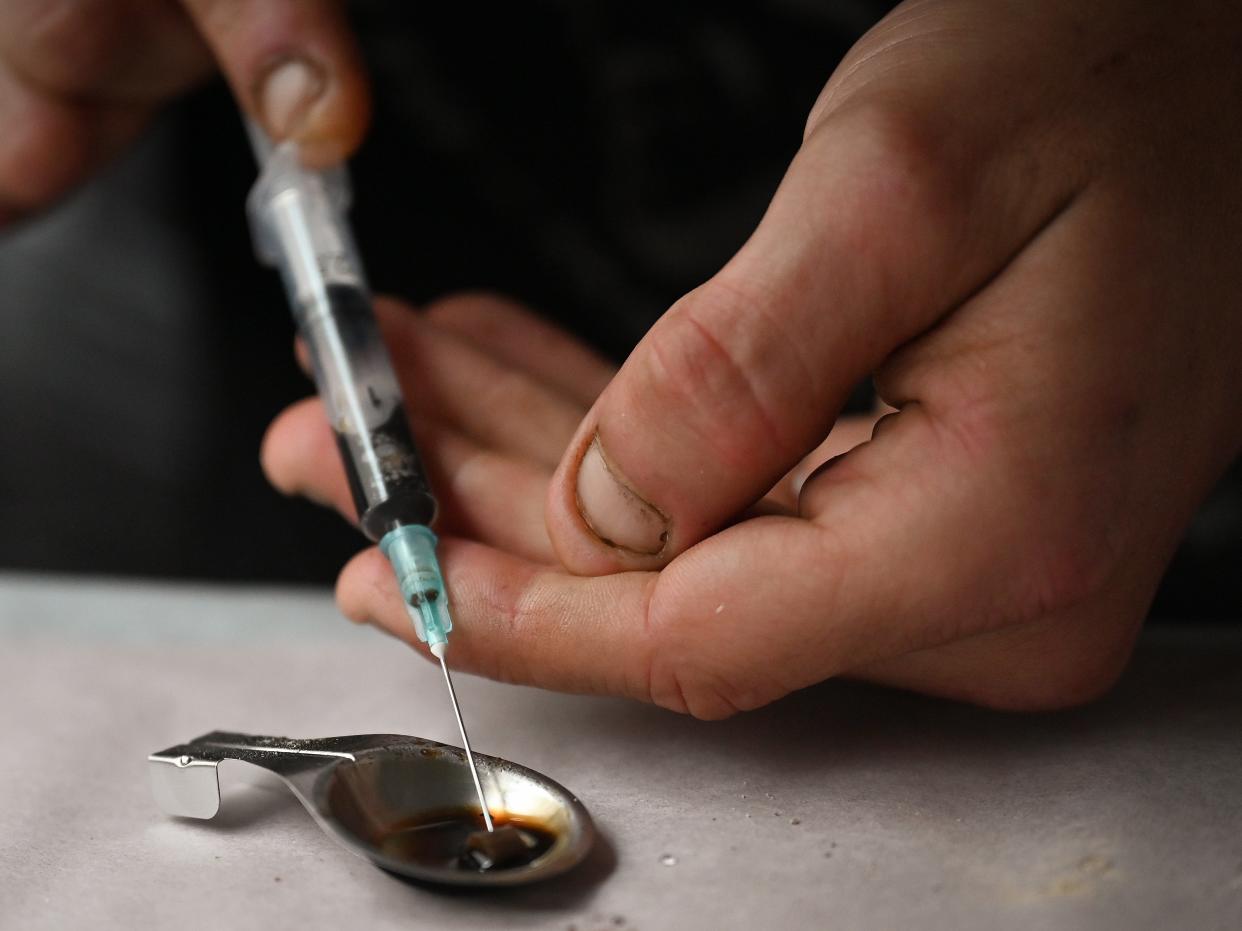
column 406, row 804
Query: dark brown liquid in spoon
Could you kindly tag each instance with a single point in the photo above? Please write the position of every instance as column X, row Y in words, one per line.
column 443, row 839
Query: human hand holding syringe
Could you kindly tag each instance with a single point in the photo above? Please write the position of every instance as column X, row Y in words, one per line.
column 80, row 81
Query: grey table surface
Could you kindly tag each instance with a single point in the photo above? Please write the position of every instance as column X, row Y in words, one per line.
column 841, row 807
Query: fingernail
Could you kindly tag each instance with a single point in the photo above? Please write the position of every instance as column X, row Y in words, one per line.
column 613, row 511
column 287, row 94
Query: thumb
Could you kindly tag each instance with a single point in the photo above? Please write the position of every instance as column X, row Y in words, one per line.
column 294, row 67
column 860, row 250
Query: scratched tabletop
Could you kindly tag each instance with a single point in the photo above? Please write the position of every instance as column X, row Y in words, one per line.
column 843, row 806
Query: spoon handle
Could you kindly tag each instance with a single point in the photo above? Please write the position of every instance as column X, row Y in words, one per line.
column 186, row 783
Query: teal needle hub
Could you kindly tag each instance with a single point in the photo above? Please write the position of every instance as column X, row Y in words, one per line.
column 412, row 551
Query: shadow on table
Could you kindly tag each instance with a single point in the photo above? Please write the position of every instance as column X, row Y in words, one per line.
column 1176, row 680
column 245, row 806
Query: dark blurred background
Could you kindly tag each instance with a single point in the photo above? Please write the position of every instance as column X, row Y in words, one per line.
column 593, row 159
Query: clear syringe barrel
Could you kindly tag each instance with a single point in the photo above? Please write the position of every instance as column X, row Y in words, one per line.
column 298, row 221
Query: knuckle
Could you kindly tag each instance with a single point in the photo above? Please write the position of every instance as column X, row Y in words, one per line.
column 685, row 674
column 902, row 176
column 68, row 46
column 678, row 685
column 714, row 362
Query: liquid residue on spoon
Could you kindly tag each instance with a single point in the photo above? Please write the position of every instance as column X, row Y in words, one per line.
column 458, row 839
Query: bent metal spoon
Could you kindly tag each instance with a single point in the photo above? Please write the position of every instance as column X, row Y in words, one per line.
column 406, row 804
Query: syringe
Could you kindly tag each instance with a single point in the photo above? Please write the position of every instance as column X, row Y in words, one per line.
column 297, row 218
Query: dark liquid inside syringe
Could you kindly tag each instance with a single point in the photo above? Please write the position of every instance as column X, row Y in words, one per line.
column 391, row 489
column 408, row 498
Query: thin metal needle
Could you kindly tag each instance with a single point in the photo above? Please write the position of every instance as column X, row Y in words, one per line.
column 461, row 726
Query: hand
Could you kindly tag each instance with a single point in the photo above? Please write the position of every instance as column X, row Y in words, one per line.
column 1023, row 221
column 78, row 80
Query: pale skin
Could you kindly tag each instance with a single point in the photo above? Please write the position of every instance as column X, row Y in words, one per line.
column 1022, row 219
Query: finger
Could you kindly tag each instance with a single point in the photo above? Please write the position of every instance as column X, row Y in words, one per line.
column 511, row 333
column 447, row 379
column 49, row 144
column 44, row 148
column 299, row 456
column 77, row 82
column 847, row 433
column 133, row 51
column 673, row 638
column 294, row 67
column 876, row 231
column 483, row 495
column 565, row 633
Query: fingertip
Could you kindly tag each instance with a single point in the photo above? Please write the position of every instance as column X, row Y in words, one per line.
column 271, row 456
column 298, row 456
column 367, row 593
column 325, row 108
column 364, row 586
column 295, row 67
column 597, row 545
column 334, row 127
column 282, row 444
